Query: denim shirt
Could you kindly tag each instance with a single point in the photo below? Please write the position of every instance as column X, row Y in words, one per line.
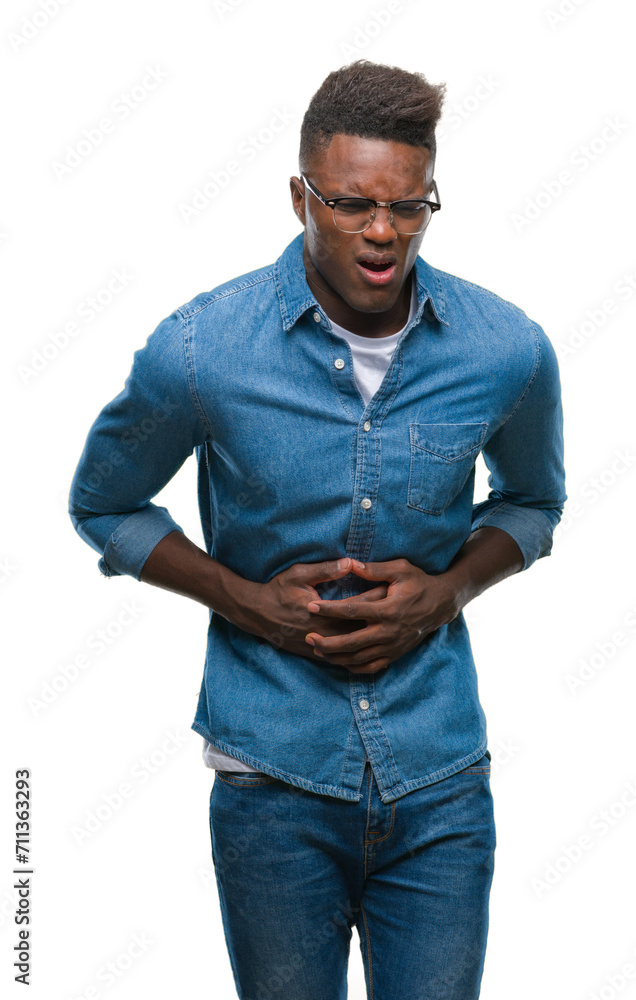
column 293, row 467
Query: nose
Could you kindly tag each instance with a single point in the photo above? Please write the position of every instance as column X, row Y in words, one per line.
column 381, row 230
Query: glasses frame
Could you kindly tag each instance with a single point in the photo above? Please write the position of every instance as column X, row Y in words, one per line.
column 333, row 202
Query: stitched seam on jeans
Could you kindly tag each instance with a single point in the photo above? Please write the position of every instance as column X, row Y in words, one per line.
column 367, row 854
column 368, row 808
column 369, row 962
column 378, row 840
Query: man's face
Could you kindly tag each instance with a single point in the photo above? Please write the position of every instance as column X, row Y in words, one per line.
column 363, row 168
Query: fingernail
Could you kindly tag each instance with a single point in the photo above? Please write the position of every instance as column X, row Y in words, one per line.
column 342, row 563
column 312, row 642
column 313, row 607
column 359, row 564
column 317, row 652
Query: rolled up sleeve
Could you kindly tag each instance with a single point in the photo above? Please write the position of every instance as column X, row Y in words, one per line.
column 525, row 461
column 135, row 446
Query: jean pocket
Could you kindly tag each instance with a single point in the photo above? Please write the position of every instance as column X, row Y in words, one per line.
column 442, row 459
column 247, row 778
column 481, row 766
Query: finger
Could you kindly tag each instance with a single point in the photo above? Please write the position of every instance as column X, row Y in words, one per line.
column 350, row 607
column 388, row 571
column 372, row 667
column 360, row 661
column 320, row 572
column 376, row 593
column 348, row 642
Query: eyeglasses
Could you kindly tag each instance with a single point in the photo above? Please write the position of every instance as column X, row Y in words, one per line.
column 354, row 215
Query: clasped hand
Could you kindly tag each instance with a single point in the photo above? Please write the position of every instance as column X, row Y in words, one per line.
column 363, row 633
column 416, row 604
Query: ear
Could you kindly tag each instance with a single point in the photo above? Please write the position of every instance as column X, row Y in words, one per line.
column 297, row 189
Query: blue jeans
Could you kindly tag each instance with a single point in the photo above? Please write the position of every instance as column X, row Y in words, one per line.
column 296, row 871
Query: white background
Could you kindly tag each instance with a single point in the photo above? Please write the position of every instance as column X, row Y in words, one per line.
column 528, row 90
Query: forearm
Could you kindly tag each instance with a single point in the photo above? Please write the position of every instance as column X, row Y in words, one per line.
column 488, row 556
column 178, row 565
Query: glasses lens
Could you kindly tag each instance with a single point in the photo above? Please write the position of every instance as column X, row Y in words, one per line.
column 411, row 217
column 353, row 215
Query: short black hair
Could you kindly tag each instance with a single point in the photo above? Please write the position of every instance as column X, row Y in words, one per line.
column 372, row 101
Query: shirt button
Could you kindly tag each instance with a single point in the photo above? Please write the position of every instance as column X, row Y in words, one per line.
column 363, row 703
column 365, row 503
column 367, row 425
column 339, row 363
column 317, row 317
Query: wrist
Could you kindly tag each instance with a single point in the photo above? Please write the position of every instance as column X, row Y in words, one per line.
column 459, row 586
column 236, row 599
column 488, row 556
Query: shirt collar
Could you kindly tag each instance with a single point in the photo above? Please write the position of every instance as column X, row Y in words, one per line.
column 295, row 296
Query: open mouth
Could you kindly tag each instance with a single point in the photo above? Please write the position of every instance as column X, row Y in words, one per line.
column 372, row 266
column 377, row 272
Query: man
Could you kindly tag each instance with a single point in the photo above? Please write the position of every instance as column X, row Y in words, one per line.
column 337, row 401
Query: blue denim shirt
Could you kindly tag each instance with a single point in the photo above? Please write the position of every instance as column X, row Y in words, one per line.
column 292, row 467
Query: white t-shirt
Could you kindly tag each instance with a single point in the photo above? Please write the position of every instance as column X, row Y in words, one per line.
column 371, row 358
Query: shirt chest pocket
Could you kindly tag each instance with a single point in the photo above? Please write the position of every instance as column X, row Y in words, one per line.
column 442, row 459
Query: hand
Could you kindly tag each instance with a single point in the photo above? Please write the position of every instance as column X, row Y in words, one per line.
column 277, row 611
column 416, row 604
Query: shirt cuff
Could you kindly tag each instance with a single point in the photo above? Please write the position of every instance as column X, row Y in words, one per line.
column 530, row 527
column 132, row 542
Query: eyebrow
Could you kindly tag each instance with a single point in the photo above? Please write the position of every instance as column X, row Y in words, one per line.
column 419, row 197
